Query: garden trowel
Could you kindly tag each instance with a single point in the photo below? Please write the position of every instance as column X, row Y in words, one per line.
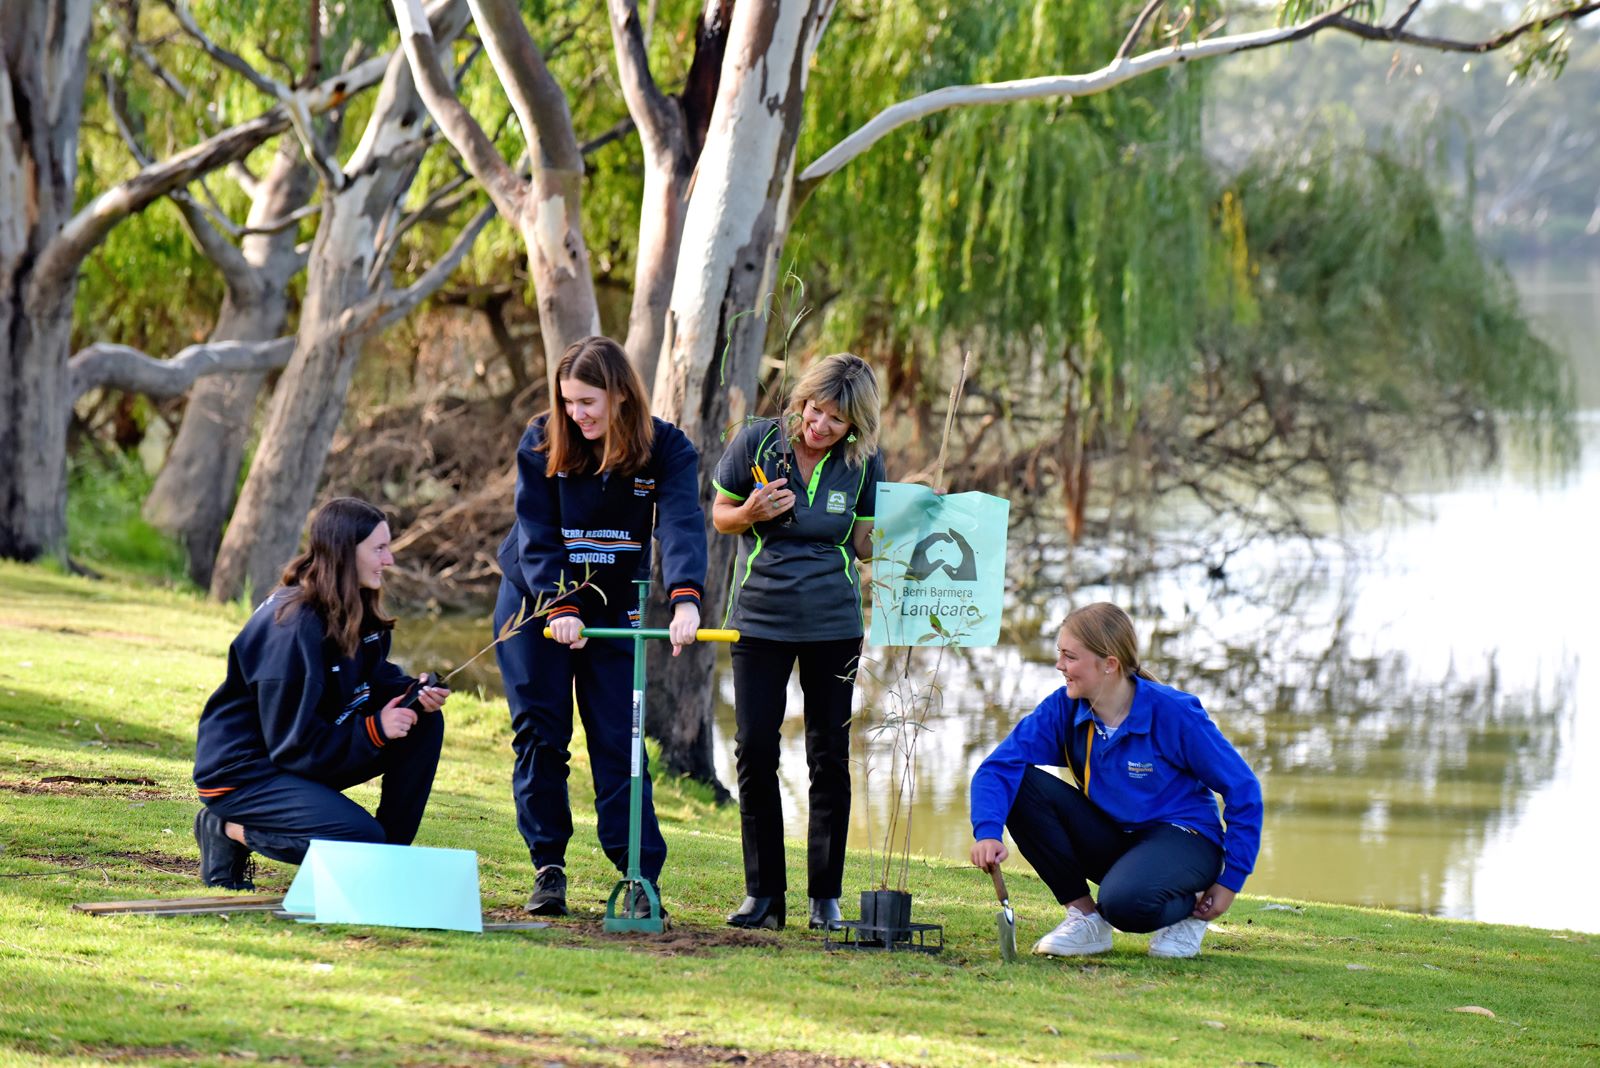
column 1005, row 918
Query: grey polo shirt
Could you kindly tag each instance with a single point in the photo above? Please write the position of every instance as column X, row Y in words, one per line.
column 797, row 581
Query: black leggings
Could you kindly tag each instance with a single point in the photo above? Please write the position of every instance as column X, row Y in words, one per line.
column 1148, row 878
column 761, row 670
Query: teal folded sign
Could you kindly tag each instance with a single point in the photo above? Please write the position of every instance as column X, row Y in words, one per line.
column 939, row 567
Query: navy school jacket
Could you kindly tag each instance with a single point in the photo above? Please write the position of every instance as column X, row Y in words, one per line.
column 568, row 526
column 292, row 701
column 1161, row 765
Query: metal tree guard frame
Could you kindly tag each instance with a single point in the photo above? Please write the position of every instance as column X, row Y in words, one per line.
column 654, row 922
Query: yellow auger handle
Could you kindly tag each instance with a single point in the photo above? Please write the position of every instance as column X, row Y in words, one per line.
column 707, row 634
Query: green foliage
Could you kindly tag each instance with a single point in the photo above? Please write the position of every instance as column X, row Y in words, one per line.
column 1373, row 283
column 1027, row 228
column 106, row 532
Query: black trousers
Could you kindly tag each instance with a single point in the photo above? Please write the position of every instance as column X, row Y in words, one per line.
column 761, row 670
column 282, row 814
column 540, row 677
column 1148, row 878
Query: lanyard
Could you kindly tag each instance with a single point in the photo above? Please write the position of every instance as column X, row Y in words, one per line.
column 1088, row 751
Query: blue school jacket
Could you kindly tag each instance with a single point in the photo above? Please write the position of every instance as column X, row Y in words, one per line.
column 292, row 701
column 571, row 526
column 1163, row 764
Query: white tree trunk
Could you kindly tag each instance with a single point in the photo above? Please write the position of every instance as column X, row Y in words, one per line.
column 732, row 234
column 193, row 495
column 547, row 210
column 43, row 57
column 309, row 400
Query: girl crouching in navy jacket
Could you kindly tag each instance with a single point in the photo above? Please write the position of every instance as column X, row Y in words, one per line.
column 595, row 479
column 1143, row 822
column 312, row 706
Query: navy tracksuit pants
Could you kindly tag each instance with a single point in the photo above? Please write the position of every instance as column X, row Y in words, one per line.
column 1148, row 878
column 540, row 676
column 282, row 814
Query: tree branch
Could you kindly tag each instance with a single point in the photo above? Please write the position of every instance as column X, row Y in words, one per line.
column 1139, row 24
column 535, row 95
column 1397, row 34
column 104, row 365
column 292, row 100
column 654, row 114
column 482, row 159
column 61, row 258
column 390, row 306
column 231, row 60
column 1122, row 70
column 434, row 206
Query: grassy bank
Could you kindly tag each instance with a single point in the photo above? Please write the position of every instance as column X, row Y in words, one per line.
column 101, row 683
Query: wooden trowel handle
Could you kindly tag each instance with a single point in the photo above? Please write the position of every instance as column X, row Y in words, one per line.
column 999, row 884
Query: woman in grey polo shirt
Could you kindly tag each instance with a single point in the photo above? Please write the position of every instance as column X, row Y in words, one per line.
column 800, row 494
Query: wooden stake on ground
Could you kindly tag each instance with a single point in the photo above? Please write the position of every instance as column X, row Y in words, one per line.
column 183, row 906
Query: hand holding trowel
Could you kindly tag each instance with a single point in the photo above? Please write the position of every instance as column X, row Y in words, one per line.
column 1005, row 918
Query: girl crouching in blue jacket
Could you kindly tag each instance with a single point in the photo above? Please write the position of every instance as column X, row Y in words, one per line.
column 312, row 706
column 1142, row 823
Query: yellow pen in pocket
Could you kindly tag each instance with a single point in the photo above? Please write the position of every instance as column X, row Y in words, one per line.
column 759, row 475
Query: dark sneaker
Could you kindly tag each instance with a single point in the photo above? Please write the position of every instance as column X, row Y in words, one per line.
column 223, row 862
column 636, row 903
column 549, row 897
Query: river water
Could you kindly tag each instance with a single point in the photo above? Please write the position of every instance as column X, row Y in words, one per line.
column 1421, row 701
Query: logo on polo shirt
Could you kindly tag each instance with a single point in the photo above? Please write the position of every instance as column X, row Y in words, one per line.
column 836, row 502
column 1139, row 769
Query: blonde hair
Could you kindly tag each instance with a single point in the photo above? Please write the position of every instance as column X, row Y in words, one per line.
column 1106, row 631
column 847, row 383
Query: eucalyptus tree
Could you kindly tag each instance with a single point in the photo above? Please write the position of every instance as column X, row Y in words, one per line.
column 737, row 212
column 349, row 297
column 45, row 239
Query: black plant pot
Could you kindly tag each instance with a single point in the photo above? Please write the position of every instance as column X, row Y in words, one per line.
column 887, row 912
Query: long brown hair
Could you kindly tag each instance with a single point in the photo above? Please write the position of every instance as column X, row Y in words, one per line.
column 324, row 579
column 599, row 362
column 1105, row 630
column 847, row 383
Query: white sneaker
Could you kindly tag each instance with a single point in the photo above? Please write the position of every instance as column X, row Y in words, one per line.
column 1182, row 939
column 1076, row 936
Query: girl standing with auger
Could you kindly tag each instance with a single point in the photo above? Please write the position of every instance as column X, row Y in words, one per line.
column 595, row 478
column 312, row 706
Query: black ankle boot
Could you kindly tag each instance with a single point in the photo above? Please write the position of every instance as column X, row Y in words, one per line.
column 759, row 912
column 825, row 914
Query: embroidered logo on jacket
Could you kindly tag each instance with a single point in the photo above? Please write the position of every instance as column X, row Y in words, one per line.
column 643, row 487
column 1139, row 769
column 597, row 546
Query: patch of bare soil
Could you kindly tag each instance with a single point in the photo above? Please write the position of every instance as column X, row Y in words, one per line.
column 87, row 785
column 675, row 1051
column 676, row 941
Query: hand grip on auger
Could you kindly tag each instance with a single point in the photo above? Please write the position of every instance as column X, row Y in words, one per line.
column 703, row 635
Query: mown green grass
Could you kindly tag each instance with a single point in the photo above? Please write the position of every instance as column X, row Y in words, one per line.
column 105, row 680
